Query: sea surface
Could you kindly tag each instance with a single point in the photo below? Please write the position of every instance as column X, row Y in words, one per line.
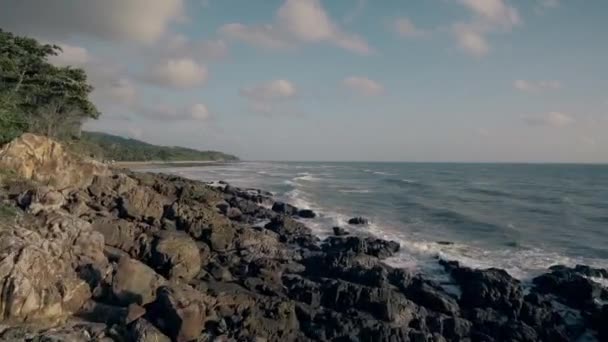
column 519, row 217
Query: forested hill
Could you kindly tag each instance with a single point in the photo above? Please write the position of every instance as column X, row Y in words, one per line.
column 111, row 147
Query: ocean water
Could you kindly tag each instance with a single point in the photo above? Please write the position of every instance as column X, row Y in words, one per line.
column 519, row 217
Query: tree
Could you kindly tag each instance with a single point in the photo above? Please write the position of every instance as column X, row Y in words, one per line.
column 52, row 100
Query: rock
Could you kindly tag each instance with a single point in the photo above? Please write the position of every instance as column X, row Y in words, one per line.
column 234, row 214
column 134, row 282
column 44, row 160
column 338, row 231
column 291, row 231
column 144, row 331
column 117, row 233
column 307, row 213
column 431, row 297
column 574, row 288
column 41, row 199
column 103, row 313
column 490, row 288
column 144, row 203
column 284, row 208
column 38, row 268
column 358, row 221
column 370, row 246
column 176, row 255
column 179, row 311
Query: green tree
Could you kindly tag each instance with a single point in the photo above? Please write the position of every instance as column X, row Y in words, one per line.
column 52, row 100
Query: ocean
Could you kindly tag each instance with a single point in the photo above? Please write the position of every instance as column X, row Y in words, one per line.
column 519, row 217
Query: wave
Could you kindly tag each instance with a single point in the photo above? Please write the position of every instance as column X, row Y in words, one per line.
column 383, row 173
column 355, row 191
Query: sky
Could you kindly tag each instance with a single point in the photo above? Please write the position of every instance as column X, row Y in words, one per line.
column 341, row 80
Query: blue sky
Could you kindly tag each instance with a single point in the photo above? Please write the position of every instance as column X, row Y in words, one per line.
column 390, row 80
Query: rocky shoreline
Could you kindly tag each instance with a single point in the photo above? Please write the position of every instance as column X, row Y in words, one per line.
column 90, row 253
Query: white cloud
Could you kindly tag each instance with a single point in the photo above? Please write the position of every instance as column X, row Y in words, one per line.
column 273, row 90
column 494, row 11
column 471, row 40
column 269, row 98
column 200, row 112
column 261, row 35
column 129, row 20
column 177, row 73
column 489, row 16
column 363, row 86
column 536, row 86
column 406, row 28
column 70, row 55
column 552, row 119
column 298, row 21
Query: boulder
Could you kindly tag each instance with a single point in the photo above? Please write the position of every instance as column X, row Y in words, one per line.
column 338, row 231
column 117, row 233
column 489, row 288
column 571, row 285
column 307, row 213
column 179, row 311
column 134, row 282
column 358, row 220
column 176, row 255
column 41, row 199
column 371, row 246
column 284, row 208
column 143, row 331
column 45, row 161
column 38, row 268
column 431, row 297
column 142, row 203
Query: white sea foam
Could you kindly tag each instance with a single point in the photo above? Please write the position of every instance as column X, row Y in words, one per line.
column 383, row 173
column 355, row 191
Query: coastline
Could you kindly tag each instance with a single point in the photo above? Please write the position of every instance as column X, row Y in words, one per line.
column 151, row 255
column 165, row 164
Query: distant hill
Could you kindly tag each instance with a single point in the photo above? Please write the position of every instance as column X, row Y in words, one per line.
column 105, row 146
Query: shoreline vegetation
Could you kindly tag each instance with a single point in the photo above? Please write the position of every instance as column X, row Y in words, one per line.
column 109, row 254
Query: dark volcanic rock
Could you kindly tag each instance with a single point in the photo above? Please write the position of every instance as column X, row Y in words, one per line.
column 284, row 208
column 307, row 213
column 572, row 286
column 370, row 246
column 358, row 221
column 490, row 288
column 338, row 231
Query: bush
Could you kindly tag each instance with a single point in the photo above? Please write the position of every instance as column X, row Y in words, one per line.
column 12, row 122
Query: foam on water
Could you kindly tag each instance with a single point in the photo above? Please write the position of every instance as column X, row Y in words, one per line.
column 307, row 186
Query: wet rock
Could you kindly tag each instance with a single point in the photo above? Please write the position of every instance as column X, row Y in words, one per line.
column 284, row 208
column 571, row 285
column 176, row 255
column 134, row 282
column 371, row 246
column 489, row 288
column 431, row 297
column 338, row 231
column 307, row 213
column 358, row 221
